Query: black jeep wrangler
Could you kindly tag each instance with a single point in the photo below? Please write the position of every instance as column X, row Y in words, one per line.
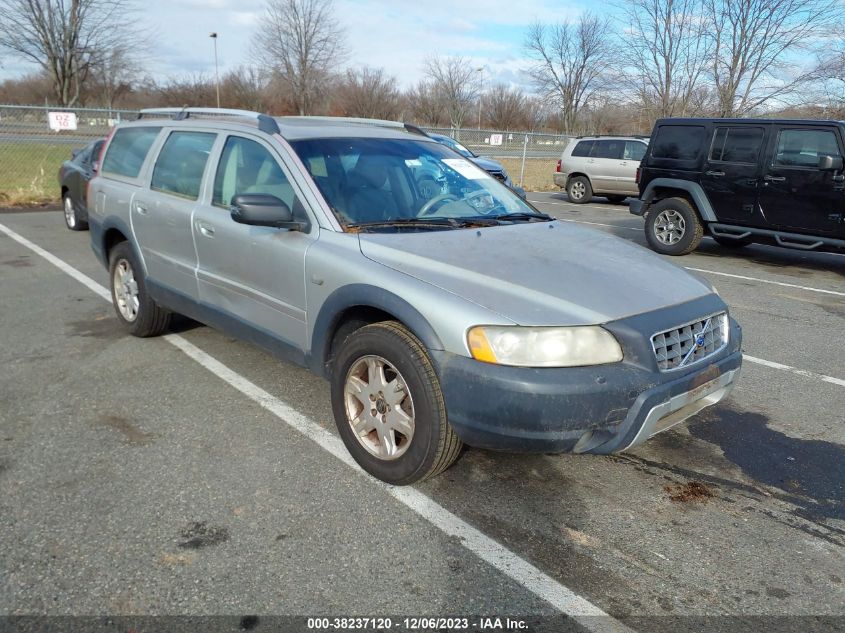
column 741, row 181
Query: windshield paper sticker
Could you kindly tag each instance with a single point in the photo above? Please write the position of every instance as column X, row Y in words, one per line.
column 466, row 169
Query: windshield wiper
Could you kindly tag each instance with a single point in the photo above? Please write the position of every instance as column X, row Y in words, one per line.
column 400, row 222
column 521, row 215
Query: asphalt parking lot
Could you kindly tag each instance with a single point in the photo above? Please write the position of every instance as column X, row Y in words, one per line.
column 194, row 474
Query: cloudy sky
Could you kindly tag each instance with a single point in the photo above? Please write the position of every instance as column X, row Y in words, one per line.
column 394, row 34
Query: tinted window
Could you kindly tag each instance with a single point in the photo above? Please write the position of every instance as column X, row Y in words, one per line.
column 802, row 148
column 634, row 150
column 737, row 145
column 583, row 148
column 679, row 142
column 181, row 163
column 128, row 150
column 608, row 149
column 247, row 167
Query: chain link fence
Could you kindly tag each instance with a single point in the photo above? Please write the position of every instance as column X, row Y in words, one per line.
column 35, row 140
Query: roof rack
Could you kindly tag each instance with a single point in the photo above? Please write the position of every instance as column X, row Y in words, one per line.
column 413, row 129
column 265, row 122
column 613, row 136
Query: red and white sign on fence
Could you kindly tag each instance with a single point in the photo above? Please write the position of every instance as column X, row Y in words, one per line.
column 62, row 120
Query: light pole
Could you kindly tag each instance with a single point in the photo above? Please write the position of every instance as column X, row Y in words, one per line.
column 480, row 71
column 216, row 68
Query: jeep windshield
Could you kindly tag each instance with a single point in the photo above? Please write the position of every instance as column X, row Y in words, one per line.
column 403, row 184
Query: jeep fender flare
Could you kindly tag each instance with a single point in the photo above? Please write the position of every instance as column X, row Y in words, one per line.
column 366, row 296
column 694, row 190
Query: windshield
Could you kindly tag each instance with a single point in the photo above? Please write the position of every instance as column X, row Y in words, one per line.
column 378, row 181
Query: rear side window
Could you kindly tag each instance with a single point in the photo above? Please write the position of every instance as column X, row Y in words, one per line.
column 608, row 149
column 128, row 150
column 678, row 142
column 583, row 148
column 802, row 148
column 634, row 150
column 181, row 163
column 737, row 145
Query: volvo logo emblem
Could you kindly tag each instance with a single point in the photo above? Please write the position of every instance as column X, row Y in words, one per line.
column 698, row 342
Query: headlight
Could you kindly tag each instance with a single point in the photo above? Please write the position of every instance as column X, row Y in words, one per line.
column 543, row 346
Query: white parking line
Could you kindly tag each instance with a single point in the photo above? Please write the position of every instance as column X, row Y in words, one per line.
column 501, row 558
column 768, row 281
column 793, row 370
column 614, row 226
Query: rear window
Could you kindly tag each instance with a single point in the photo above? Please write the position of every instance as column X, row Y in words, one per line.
column 583, row 148
column 128, row 150
column 737, row 145
column 181, row 163
column 634, row 150
column 678, row 142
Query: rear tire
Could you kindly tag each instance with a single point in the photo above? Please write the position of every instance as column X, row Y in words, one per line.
column 672, row 227
column 388, row 405
column 616, row 199
column 72, row 220
column 135, row 308
column 732, row 242
column 579, row 190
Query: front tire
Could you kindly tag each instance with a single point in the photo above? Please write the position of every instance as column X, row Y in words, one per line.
column 672, row 227
column 72, row 220
column 135, row 308
column 579, row 190
column 388, row 405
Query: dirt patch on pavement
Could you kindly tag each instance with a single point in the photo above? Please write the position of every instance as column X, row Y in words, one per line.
column 693, row 491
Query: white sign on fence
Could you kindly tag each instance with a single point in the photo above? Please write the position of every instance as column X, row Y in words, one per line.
column 62, row 120
column 496, row 139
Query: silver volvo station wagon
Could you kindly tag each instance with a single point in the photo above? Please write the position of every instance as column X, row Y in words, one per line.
column 442, row 316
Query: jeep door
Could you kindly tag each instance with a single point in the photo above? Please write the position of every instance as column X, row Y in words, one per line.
column 796, row 195
column 161, row 213
column 254, row 274
column 731, row 173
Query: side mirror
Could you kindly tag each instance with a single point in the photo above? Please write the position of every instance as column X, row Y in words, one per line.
column 74, row 153
column 519, row 191
column 261, row 209
column 830, row 163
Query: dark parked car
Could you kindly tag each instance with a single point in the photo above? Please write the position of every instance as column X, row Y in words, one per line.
column 492, row 167
column 741, row 181
column 74, row 175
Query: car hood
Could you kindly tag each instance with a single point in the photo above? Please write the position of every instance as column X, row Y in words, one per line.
column 542, row 273
column 488, row 164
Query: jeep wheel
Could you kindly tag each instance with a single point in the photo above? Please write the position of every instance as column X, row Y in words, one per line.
column 138, row 312
column 579, row 190
column 672, row 227
column 388, row 405
column 616, row 199
column 732, row 242
column 72, row 215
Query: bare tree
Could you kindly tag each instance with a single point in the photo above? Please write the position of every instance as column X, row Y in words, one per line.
column 369, row 93
column 112, row 74
column 571, row 59
column 301, row 43
column 752, row 40
column 245, row 87
column 425, row 104
column 505, row 108
column 64, row 37
column 667, row 52
column 456, row 84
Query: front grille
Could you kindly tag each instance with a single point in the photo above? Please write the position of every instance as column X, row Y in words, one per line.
column 677, row 348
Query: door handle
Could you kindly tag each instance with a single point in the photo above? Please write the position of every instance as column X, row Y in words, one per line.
column 769, row 178
column 205, row 229
column 717, row 174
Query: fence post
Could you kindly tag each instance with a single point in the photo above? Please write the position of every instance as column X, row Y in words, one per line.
column 524, row 152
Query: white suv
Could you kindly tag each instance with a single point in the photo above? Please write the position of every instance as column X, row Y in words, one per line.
column 604, row 165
